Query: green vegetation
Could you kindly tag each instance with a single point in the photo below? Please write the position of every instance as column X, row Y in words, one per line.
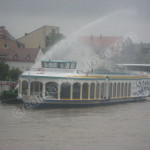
column 8, row 74
column 52, row 39
column 9, row 96
column 4, row 71
column 14, row 74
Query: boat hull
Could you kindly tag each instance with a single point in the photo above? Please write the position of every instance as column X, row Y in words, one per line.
column 81, row 103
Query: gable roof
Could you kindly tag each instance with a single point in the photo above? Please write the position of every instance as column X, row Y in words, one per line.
column 21, row 53
column 45, row 26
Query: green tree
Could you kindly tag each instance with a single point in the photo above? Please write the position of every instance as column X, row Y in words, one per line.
column 14, row 74
column 52, row 39
column 4, row 69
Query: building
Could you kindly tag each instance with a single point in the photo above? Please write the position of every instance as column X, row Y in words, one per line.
column 112, row 49
column 101, row 43
column 7, row 40
column 22, row 58
column 39, row 37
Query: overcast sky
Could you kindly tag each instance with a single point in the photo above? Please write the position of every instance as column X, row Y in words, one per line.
column 106, row 17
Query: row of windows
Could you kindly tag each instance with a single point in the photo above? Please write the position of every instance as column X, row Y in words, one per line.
column 76, row 91
column 16, row 57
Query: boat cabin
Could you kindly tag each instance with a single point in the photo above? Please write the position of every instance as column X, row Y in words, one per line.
column 59, row 64
column 135, row 67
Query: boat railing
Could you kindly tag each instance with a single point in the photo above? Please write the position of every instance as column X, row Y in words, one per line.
column 80, row 71
column 54, row 70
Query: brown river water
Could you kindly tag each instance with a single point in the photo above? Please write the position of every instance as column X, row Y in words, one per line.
column 111, row 127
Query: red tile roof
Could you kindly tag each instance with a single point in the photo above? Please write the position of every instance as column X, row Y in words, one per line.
column 100, row 42
column 20, row 54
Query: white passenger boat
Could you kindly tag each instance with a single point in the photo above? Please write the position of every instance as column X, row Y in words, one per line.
column 60, row 83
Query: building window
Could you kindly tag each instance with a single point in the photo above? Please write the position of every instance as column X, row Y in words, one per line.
column 47, row 40
column 15, row 57
column 5, row 45
column 28, row 57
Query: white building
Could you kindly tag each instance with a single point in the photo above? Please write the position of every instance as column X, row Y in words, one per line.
column 22, row 58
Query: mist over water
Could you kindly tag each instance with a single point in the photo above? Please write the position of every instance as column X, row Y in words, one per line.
column 72, row 48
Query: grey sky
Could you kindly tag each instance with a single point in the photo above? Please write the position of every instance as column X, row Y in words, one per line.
column 121, row 16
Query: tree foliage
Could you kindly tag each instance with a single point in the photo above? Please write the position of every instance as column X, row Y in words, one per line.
column 8, row 74
column 14, row 74
column 4, row 70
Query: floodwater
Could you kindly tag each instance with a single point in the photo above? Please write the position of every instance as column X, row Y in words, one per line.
column 111, row 127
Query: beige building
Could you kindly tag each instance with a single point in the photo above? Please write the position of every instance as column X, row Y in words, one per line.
column 7, row 40
column 39, row 37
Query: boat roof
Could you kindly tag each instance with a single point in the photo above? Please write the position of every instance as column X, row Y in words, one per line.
column 141, row 65
column 59, row 61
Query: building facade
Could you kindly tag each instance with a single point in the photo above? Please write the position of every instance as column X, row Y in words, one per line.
column 22, row 58
column 39, row 37
column 7, row 40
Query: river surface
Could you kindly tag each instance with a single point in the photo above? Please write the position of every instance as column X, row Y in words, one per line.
column 111, row 127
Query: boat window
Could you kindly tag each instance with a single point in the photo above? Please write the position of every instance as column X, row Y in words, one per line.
column 102, row 90
column 65, row 90
column 46, row 65
column 114, row 90
column 118, row 90
column 126, row 89
column 51, row 89
column 122, row 89
column 85, row 90
column 92, row 90
column 64, row 65
column 110, row 90
column 24, row 88
column 67, row 66
column 53, row 65
column 36, row 88
column 97, row 90
column 73, row 66
column 129, row 89
column 76, row 91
